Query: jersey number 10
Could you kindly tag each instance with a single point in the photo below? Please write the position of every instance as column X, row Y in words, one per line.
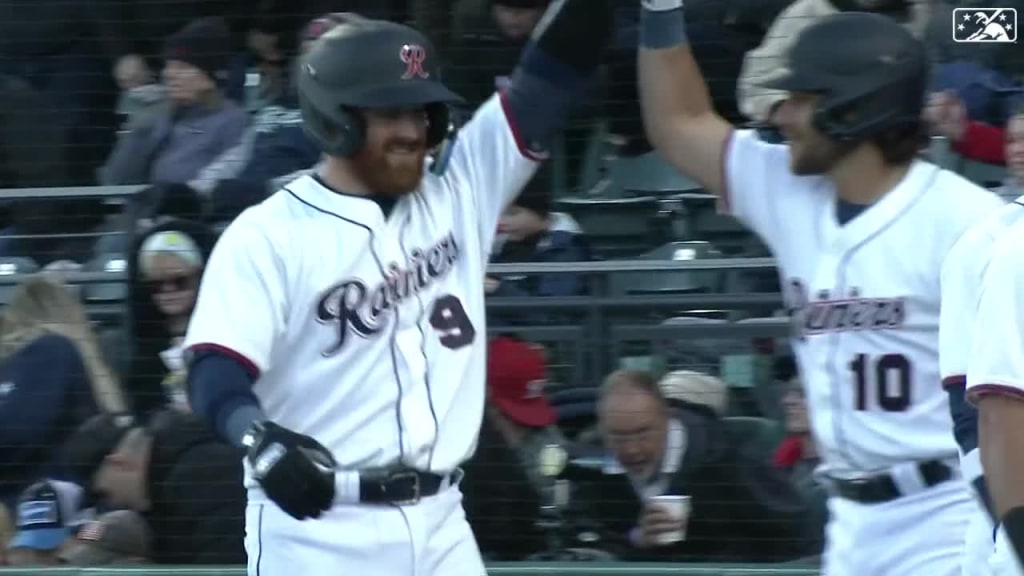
column 887, row 376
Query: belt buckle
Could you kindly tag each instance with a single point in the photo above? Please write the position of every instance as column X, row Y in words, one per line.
column 415, row 497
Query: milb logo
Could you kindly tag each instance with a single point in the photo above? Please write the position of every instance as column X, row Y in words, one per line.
column 983, row 25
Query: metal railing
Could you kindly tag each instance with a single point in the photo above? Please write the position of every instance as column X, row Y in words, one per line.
column 496, row 569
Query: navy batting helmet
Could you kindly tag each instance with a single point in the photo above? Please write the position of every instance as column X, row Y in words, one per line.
column 365, row 63
column 872, row 74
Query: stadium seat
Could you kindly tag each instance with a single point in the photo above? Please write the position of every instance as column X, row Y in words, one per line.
column 615, row 227
column 114, row 291
column 982, row 174
column 12, row 266
column 575, row 408
column 663, row 283
column 648, row 175
column 573, row 396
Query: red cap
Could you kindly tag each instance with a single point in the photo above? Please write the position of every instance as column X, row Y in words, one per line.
column 516, row 377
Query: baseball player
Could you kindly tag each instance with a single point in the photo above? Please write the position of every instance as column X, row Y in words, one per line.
column 339, row 332
column 995, row 381
column 860, row 228
column 987, row 551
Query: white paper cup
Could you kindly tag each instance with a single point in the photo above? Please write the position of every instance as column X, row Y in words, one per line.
column 679, row 508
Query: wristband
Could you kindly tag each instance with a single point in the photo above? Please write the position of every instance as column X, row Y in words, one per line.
column 1013, row 526
column 661, row 5
column 662, row 26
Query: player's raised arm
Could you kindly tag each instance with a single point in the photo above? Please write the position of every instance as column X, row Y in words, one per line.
column 995, row 383
column 678, row 117
column 498, row 151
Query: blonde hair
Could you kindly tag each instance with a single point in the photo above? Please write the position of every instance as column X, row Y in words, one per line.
column 43, row 305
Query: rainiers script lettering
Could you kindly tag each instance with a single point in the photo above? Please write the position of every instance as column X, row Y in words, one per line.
column 841, row 313
column 353, row 306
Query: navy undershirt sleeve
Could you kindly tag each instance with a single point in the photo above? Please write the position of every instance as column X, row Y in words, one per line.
column 540, row 96
column 220, row 392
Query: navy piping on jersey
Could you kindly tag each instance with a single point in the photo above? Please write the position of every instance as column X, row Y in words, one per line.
column 380, row 266
column 837, row 427
column 423, row 344
column 386, row 205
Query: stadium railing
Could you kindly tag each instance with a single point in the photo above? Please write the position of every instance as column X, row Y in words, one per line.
column 497, row 569
column 602, row 325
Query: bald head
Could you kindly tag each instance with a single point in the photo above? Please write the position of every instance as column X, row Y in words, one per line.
column 633, row 419
column 631, row 382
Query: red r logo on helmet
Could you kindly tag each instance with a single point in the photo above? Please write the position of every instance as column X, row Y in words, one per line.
column 413, row 56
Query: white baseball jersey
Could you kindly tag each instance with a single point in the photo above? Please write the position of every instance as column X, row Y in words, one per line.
column 368, row 331
column 864, row 297
column 996, row 362
column 962, row 276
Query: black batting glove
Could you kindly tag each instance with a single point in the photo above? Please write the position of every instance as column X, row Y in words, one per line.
column 295, row 471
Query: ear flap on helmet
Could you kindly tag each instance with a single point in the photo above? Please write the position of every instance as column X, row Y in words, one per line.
column 340, row 135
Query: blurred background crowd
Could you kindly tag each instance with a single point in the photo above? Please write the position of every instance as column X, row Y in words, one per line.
column 133, row 131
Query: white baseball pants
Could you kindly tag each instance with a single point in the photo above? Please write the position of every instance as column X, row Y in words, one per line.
column 430, row 538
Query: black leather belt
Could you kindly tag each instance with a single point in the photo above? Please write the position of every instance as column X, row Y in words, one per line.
column 401, row 486
column 883, row 488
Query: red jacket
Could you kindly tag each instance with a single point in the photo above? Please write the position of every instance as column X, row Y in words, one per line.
column 983, row 143
column 789, row 452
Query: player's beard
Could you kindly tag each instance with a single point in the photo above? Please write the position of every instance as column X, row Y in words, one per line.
column 812, row 158
column 386, row 172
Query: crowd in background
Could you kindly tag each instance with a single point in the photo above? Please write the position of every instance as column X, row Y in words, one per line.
column 193, row 102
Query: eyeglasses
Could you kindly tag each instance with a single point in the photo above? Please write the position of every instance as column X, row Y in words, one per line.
column 171, row 283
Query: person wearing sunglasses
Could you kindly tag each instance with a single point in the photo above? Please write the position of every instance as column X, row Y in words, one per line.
column 164, row 272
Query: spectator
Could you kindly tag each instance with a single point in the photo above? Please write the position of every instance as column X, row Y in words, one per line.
column 1015, row 155
column 118, row 537
column 35, row 150
column 32, row 146
column 947, row 116
column 274, row 145
column 686, row 389
column 164, row 271
column 797, row 457
column 144, row 25
column 504, row 487
column 532, row 233
column 63, row 50
column 199, row 123
column 488, row 36
column 434, row 18
column 47, row 514
column 742, row 510
column 185, row 483
column 486, row 45
column 761, row 64
column 86, row 448
column 53, row 378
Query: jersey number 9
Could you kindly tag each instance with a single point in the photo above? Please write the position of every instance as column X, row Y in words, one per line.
column 449, row 318
column 888, row 376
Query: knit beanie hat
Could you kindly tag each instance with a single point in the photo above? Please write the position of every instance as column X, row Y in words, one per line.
column 203, row 43
column 535, row 197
